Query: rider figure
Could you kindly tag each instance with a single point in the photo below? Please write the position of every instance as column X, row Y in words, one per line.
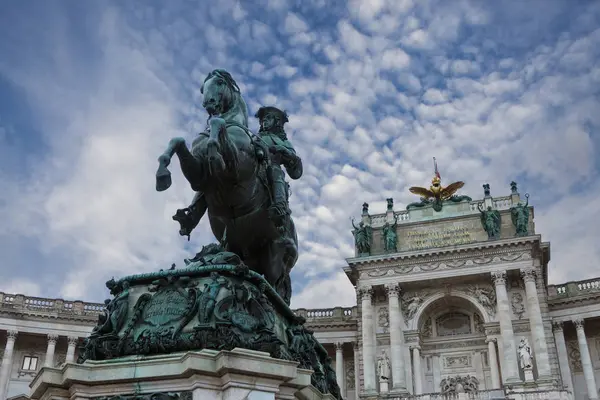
column 281, row 152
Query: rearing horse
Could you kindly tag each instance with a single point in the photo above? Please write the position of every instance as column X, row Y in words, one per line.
column 226, row 166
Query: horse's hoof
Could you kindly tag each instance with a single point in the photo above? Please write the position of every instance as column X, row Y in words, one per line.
column 163, row 181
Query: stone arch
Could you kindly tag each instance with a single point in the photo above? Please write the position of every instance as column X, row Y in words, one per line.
column 421, row 311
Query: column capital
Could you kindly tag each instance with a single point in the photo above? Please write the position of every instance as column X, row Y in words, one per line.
column 415, row 347
column 392, row 289
column 557, row 326
column 12, row 334
column 52, row 338
column 365, row 293
column 73, row 340
column 578, row 322
column 528, row 274
column 338, row 346
column 499, row 277
column 491, row 340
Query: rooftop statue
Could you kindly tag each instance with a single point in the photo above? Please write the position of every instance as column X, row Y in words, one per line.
column 239, row 182
column 436, row 195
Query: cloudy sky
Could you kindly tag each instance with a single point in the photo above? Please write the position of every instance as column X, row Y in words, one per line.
column 91, row 92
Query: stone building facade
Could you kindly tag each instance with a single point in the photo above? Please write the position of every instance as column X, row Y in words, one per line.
column 448, row 314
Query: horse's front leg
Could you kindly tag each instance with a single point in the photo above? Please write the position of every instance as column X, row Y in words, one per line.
column 215, row 161
column 163, row 175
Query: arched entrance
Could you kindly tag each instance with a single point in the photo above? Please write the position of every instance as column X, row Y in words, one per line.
column 453, row 348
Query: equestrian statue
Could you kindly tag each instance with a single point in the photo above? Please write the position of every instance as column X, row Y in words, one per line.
column 239, row 181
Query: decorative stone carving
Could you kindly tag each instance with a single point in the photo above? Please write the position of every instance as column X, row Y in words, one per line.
column 452, row 345
column 458, row 384
column 516, row 301
column 364, row 292
column 574, row 356
column 383, row 366
column 350, row 377
column 457, row 361
column 478, row 323
column 153, row 396
column 499, row 277
column 410, row 305
column 528, row 275
column 383, row 317
column 427, row 331
column 52, row 338
column 392, row 290
column 12, row 334
column 485, row 296
column 73, row 340
column 578, row 323
column 453, row 323
column 525, row 356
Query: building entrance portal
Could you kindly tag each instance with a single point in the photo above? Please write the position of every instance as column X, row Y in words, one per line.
column 454, row 348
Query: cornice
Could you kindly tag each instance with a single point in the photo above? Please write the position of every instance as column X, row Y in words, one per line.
column 450, row 252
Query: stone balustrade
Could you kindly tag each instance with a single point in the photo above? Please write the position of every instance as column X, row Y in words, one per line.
column 17, row 303
column 336, row 313
column 575, row 288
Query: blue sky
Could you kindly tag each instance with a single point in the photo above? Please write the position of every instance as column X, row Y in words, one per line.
column 91, row 92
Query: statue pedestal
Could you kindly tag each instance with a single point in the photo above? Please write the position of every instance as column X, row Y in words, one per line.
column 384, row 386
column 206, row 375
column 528, row 374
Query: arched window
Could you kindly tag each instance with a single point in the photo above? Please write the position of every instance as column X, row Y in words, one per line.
column 453, row 323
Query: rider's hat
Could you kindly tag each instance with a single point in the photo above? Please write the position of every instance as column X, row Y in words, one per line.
column 281, row 115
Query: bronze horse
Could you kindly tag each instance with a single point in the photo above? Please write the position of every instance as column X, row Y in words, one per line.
column 227, row 165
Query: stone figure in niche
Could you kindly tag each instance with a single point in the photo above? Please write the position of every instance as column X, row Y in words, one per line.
column 363, row 236
column 517, row 305
column 490, row 219
column 383, row 317
column 383, row 366
column 390, row 237
column 282, row 153
column 520, row 217
column 525, row 356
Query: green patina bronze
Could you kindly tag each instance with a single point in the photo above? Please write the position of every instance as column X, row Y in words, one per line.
column 235, row 293
column 363, row 237
column 238, row 180
column 490, row 219
column 390, row 237
column 520, row 217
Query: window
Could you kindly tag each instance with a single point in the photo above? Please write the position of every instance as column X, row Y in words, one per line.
column 29, row 363
column 453, row 324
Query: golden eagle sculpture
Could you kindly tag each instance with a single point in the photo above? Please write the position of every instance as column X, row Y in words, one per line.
column 436, row 195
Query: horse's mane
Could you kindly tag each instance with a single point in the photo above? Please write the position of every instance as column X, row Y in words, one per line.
column 239, row 105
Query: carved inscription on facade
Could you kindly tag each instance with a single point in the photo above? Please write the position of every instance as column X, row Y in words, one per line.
column 417, row 240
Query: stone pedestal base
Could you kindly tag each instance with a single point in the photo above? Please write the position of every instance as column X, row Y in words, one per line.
column 383, row 386
column 203, row 375
column 528, row 374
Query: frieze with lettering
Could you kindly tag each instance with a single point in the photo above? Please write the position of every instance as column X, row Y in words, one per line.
column 424, row 239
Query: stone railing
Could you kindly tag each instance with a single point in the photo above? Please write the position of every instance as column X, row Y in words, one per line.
column 329, row 314
column 18, row 303
column 576, row 288
column 495, row 394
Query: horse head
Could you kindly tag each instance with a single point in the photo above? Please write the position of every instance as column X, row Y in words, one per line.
column 222, row 96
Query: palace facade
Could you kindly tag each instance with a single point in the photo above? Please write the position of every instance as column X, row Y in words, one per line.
column 447, row 308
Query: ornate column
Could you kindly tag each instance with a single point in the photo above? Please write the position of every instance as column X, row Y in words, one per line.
column 540, row 347
column 563, row 355
column 7, row 359
column 368, row 340
column 511, row 375
column 73, row 340
column 51, row 347
column 356, row 370
column 493, row 359
column 339, row 367
column 586, row 361
column 417, row 372
column 396, row 339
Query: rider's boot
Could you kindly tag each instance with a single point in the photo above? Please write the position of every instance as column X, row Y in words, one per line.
column 278, row 211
